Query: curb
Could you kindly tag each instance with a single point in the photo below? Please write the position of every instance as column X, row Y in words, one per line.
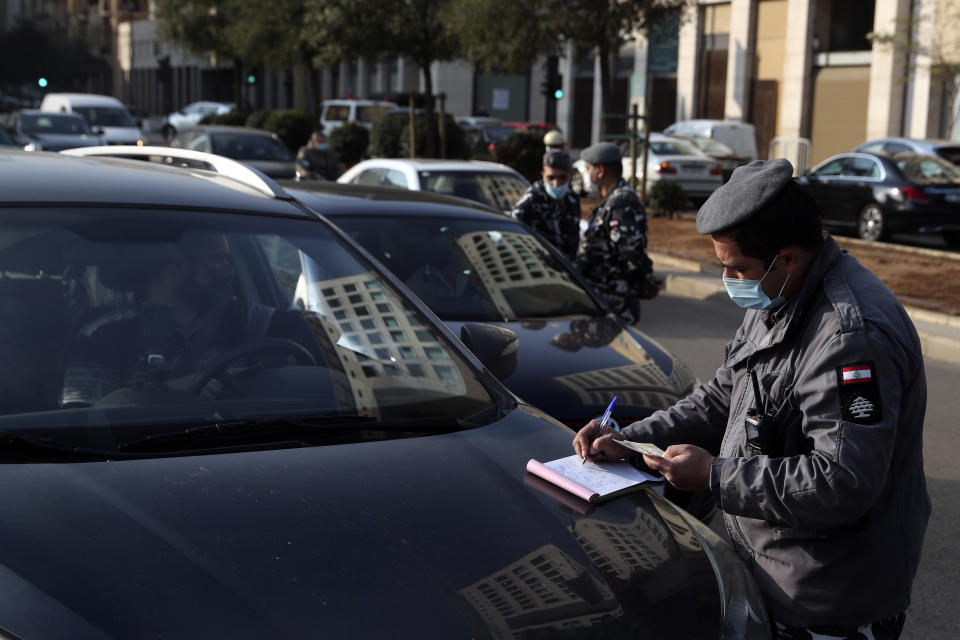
column 939, row 332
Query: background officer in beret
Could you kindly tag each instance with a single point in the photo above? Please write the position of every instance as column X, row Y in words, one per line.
column 613, row 252
column 549, row 205
column 810, row 435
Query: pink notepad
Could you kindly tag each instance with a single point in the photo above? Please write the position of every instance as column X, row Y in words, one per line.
column 593, row 481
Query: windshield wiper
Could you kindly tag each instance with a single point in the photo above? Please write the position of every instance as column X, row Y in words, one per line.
column 13, row 441
column 335, row 429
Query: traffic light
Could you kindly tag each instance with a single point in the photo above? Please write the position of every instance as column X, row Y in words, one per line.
column 42, row 82
column 552, row 87
column 251, row 79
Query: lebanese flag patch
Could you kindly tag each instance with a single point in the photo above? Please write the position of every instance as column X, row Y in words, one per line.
column 857, row 373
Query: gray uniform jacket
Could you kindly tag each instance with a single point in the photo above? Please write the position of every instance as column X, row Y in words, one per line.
column 832, row 525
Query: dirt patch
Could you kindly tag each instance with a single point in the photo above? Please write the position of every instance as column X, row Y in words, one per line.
column 918, row 279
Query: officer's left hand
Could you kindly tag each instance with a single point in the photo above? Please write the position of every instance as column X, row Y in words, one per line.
column 684, row 466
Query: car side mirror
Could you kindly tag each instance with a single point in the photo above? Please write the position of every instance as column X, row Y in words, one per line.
column 495, row 346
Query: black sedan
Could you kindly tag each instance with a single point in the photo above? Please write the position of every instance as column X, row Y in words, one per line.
column 260, row 149
column 357, row 473
column 36, row 130
column 874, row 195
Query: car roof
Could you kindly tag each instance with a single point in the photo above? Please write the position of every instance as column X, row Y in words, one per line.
column 924, row 142
column 86, row 98
column 51, row 114
column 429, row 164
column 226, row 128
column 25, row 178
column 334, row 199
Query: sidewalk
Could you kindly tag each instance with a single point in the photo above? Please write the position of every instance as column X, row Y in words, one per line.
column 939, row 333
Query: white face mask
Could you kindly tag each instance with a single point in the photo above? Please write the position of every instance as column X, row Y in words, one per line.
column 589, row 184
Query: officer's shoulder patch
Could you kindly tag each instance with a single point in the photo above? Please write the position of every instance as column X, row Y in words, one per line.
column 859, row 393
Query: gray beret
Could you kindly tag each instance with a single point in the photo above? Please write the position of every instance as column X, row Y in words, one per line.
column 557, row 160
column 601, row 153
column 749, row 190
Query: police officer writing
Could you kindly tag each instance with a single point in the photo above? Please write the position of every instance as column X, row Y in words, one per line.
column 613, row 252
column 810, row 435
column 550, row 207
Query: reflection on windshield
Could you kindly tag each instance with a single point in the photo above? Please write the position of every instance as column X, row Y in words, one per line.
column 498, row 190
column 194, row 318
column 473, row 269
column 105, row 116
column 54, row 124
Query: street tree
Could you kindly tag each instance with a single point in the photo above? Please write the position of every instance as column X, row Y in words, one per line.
column 33, row 53
column 930, row 42
column 528, row 29
column 412, row 29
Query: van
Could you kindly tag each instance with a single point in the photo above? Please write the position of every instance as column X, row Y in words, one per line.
column 739, row 136
column 103, row 113
column 334, row 113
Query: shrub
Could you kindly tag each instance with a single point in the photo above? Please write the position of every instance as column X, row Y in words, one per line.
column 666, row 197
column 522, row 150
column 349, row 143
column 390, row 137
column 236, row 118
column 292, row 126
column 257, row 118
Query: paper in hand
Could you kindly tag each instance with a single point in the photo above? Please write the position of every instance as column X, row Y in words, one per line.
column 643, row 447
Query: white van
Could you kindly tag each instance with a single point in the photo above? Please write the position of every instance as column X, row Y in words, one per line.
column 105, row 113
column 739, row 136
column 334, row 113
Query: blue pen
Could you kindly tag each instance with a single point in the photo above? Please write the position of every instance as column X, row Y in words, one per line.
column 603, row 422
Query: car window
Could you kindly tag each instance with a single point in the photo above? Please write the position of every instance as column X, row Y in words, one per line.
column 674, row 147
column 860, row 167
column 950, row 154
column 200, row 143
column 243, row 146
column 368, row 177
column 496, row 189
column 54, row 124
column 473, row 269
column 832, row 168
column 395, row 178
column 372, row 113
column 876, row 146
column 114, row 317
column 896, row 147
column 106, row 116
column 922, row 168
column 337, row 112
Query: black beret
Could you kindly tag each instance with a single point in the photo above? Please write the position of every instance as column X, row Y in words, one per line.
column 557, row 160
column 601, row 153
column 749, row 190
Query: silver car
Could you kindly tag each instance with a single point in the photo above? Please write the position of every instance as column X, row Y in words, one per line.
column 949, row 150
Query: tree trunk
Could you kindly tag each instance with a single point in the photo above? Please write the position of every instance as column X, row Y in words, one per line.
column 430, row 142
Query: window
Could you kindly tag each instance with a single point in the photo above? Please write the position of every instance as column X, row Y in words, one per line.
column 833, row 168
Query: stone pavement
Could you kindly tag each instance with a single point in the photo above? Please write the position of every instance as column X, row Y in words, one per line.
column 939, row 332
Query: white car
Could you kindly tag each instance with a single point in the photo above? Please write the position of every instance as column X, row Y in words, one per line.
column 673, row 159
column 192, row 114
column 489, row 183
column 333, row 113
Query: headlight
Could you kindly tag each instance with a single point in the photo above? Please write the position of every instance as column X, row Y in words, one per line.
column 744, row 615
column 33, row 146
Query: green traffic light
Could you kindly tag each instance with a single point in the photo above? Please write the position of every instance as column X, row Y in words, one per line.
column 42, row 82
column 558, row 94
column 251, row 79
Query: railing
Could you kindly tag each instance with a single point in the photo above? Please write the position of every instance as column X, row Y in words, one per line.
column 796, row 150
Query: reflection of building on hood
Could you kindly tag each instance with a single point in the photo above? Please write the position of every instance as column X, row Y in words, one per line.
column 588, row 332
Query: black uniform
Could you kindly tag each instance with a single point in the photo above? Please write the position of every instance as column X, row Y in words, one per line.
column 557, row 220
column 613, row 253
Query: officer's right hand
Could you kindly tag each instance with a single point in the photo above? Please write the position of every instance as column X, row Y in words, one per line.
column 600, row 449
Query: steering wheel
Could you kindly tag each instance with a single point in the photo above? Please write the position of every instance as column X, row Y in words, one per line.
column 263, row 345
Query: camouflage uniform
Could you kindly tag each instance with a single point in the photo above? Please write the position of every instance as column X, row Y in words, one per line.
column 557, row 220
column 613, row 252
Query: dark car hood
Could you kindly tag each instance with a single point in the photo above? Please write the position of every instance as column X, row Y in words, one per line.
column 572, row 368
column 276, row 169
column 440, row 536
column 59, row 142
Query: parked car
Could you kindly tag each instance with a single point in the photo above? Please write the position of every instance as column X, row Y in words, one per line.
column 191, row 115
column 334, row 113
column 6, row 140
column 726, row 157
column 36, row 130
column 101, row 112
column 482, row 139
column 258, row 148
column 356, row 453
column 488, row 183
column 739, row 136
column 479, row 121
column 532, row 126
column 673, row 159
column 949, row 150
column 874, row 195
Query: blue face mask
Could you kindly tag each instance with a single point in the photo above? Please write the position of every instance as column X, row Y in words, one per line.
column 749, row 294
column 557, row 192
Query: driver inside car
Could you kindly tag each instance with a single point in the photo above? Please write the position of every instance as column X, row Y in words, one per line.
column 186, row 317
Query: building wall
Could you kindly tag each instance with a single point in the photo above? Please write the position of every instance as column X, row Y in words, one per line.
column 768, row 81
column 839, row 121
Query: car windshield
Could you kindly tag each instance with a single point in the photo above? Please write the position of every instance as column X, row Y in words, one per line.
column 712, row 147
column 466, row 269
column 674, row 147
column 373, row 113
column 500, row 190
column 106, row 116
column 920, row 168
column 54, row 124
column 118, row 325
column 249, row 147
column 497, row 134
